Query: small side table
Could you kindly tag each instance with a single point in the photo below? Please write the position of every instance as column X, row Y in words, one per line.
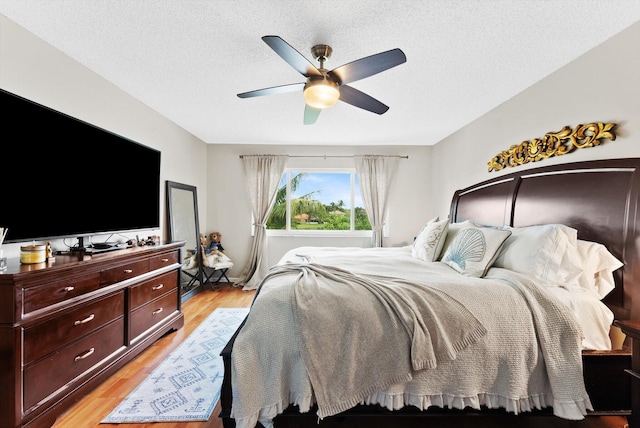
column 632, row 330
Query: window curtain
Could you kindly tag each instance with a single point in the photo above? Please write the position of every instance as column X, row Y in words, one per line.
column 263, row 173
column 375, row 174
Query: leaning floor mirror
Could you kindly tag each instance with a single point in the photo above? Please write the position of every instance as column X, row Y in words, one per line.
column 182, row 216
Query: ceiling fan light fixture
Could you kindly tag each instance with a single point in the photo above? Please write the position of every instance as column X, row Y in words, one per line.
column 321, row 93
column 324, row 88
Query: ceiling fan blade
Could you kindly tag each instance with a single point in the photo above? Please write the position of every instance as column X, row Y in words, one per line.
column 361, row 100
column 292, row 56
column 368, row 66
column 273, row 90
column 311, row 114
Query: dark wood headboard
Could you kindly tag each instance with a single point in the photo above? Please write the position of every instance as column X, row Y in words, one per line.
column 598, row 198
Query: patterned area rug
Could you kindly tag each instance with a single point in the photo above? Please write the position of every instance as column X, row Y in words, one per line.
column 185, row 387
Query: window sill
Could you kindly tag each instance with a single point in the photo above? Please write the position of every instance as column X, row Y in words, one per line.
column 320, row 233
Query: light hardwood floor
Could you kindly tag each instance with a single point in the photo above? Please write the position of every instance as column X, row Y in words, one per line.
column 88, row 412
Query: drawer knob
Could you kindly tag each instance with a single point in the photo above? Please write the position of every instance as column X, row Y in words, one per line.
column 69, row 288
column 156, row 312
column 128, row 270
column 157, row 287
column 84, row 321
column 164, row 260
column 85, row 355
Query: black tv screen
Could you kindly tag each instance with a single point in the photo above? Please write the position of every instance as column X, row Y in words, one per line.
column 61, row 177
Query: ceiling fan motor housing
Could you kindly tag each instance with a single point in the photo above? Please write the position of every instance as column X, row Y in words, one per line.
column 321, row 53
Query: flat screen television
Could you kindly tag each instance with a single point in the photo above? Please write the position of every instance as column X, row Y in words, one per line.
column 61, row 177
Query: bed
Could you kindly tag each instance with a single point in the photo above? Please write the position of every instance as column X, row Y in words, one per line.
column 415, row 336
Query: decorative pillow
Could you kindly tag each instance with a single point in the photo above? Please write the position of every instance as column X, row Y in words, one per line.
column 596, row 266
column 429, row 242
column 474, row 249
column 538, row 251
column 452, row 231
column 415, row 238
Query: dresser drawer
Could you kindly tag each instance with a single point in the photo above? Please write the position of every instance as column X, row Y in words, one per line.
column 48, row 294
column 154, row 288
column 163, row 260
column 49, row 375
column 152, row 313
column 122, row 272
column 46, row 337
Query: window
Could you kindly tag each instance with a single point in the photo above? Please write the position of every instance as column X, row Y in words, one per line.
column 319, row 201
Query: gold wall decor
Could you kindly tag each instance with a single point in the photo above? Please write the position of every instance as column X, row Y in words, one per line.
column 553, row 144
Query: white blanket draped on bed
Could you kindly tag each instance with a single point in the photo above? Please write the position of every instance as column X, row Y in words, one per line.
column 529, row 358
column 428, row 323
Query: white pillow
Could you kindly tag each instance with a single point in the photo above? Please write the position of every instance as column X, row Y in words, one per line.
column 538, row 251
column 596, row 266
column 429, row 242
column 474, row 249
column 594, row 317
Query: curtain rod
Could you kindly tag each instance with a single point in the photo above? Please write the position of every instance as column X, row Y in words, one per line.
column 336, row 156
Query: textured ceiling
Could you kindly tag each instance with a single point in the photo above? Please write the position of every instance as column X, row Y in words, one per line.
column 188, row 59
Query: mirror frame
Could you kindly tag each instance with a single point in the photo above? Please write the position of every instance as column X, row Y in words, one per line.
column 172, row 218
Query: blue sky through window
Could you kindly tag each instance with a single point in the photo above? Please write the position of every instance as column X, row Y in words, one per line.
column 332, row 187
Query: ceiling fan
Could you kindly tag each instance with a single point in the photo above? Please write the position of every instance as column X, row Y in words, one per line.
column 324, row 88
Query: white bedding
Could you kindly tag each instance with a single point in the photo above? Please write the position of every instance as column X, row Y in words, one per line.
column 529, row 358
column 594, row 317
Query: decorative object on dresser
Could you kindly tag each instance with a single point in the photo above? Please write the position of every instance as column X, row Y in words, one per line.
column 3, row 259
column 67, row 326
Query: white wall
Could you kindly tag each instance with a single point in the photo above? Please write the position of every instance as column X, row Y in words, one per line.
column 33, row 69
column 601, row 86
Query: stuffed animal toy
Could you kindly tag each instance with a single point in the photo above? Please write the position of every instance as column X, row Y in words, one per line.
column 214, row 241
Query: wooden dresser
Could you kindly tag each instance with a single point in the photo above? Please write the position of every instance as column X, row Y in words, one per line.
column 65, row 326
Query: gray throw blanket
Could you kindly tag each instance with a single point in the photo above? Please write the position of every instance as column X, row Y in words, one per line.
column 428, row 324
